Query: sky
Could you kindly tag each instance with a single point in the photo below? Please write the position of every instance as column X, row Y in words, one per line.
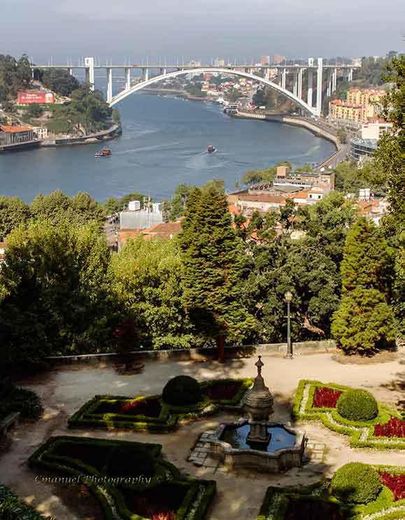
column 136, row 30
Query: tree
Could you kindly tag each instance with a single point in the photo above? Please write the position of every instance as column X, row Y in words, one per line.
column 59, row 81
column 148, row 278
column 280, row 265
column 34, row 111
column 390, row 157
column 215, row 267
column 13, row 212
column 55, row 292
column 342, row 135
column 390, row 154
column 326, row 222
column 14, row 76
column 265, row 175
column 86, row 112
column 57, row 207
column 364, row 322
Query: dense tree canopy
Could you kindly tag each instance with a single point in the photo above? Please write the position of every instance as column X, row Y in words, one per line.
column 148, row 283
column 215, row 268
column 15, row 75
column 59, row 81
column 58, row 207
column 13, row 212
column 55, row 292
column 364, row 321
column 86, row 112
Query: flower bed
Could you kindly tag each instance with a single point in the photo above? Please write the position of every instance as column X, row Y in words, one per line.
column 152, row 414
column 316, row 502
column 131, row 480
column 396, row 483
column 395, row 427
column 326, row 397
column 382, row 432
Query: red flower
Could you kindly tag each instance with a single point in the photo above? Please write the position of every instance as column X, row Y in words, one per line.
column 396, row 483
column 325, row 397
column 164, row 515
column 393, row 428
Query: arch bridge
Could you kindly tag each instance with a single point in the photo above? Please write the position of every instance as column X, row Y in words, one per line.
column 272, row 76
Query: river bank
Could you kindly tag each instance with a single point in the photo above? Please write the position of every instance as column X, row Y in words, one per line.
column 104, row 135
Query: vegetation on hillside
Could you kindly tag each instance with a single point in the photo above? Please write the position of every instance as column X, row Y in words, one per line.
column 86, row 112
column 15, row 75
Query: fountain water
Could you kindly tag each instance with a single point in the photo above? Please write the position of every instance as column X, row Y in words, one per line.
column 255, row 442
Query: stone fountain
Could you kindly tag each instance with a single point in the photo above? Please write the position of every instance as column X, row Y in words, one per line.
column 255, row 443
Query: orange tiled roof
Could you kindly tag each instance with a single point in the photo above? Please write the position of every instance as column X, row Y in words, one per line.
column 15, row 129
column 262, row 197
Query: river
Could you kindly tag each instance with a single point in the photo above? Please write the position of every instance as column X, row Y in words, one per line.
column 163, row 144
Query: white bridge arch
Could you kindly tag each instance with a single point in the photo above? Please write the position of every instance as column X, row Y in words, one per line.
column 139, row 86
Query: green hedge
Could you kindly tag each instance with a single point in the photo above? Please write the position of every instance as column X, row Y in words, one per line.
column 169, row 417
column 199, row 493
column 12, row 508
column 356, row 483
column 14, row 399
column 276, row 500
column 361, row 433
column 182, row 391
column 357, row 405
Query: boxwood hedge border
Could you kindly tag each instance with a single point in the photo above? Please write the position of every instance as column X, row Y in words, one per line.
column 169, row 416
column 195, row 504
column 275, row 503
column 361, row 433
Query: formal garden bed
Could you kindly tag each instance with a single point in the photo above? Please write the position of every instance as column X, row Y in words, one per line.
column 132, row 481
column 356, row 492
column 351, row 412
column 155, row 413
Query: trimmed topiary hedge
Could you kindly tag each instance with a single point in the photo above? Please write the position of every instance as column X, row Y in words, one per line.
column 182, row 391
column 357, row 405
column 356, row 483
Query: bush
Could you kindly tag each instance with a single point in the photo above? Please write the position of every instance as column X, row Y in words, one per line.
column 356, row 483
column 182, row 390
column 357, row 405
column 14, row 399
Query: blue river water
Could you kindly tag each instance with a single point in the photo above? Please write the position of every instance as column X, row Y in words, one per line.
column 163, row 144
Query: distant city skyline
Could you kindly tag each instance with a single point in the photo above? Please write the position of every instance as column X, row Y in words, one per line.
column 202, row 29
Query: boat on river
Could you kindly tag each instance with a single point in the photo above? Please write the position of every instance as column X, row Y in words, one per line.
column 104, row 152
column 211, row 148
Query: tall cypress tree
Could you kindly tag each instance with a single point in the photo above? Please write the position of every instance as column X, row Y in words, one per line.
column 215, row 268
column 364, row 321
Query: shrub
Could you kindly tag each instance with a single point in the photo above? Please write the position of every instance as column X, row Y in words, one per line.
column 182, row 390
column 14, row 399
column 356, row 483
column 357, row 405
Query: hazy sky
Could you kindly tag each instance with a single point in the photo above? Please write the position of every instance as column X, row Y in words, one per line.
column 119, row 29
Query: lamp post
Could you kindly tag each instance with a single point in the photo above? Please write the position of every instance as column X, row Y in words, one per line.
column 288, row 297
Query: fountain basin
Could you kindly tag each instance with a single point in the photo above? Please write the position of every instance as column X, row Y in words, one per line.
column 285, row 449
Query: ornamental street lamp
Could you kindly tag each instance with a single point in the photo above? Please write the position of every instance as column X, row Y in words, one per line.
column 288, row 297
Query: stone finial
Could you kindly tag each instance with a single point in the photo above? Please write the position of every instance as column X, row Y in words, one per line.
column 259, row 363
